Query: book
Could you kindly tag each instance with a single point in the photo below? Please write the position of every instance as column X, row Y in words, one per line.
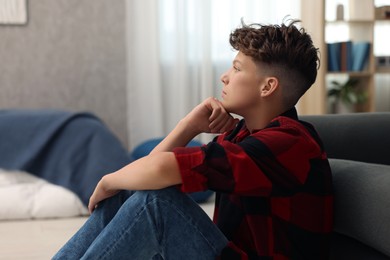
column 333, row 56
column 361, row 52
column 346, row 57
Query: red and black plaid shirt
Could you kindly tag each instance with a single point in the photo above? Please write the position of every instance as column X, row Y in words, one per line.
column 274, row 189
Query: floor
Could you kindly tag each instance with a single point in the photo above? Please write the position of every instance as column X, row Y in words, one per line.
column 35, row 239
column 40, row 239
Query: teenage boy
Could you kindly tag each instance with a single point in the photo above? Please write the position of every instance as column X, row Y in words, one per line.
column 270, row 172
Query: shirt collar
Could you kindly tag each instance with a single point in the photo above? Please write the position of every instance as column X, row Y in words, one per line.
column 241, row 131
column 291, row 113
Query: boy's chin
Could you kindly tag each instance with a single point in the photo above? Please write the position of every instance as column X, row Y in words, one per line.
column 224, row 104
column 228, row 108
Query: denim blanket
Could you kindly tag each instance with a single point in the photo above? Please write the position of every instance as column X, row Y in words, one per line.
column 73, row 150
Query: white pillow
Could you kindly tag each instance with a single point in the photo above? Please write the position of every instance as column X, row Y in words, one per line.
column 25, row 196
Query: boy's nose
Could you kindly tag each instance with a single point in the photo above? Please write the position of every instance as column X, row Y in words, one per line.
column 224, row 78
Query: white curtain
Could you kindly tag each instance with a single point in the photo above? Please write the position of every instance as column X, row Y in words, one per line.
column 177, row 50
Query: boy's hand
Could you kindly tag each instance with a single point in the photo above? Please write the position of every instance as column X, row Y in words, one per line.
column 100, row 193
column 210, row 117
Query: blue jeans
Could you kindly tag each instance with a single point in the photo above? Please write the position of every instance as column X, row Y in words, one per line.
column 161, row 224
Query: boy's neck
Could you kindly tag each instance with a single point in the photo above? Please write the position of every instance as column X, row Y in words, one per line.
column 262, row 118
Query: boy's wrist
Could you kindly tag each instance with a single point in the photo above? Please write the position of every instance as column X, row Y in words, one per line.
column 186, row 128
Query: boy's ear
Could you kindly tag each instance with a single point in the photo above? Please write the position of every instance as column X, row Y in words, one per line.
column 270, row 85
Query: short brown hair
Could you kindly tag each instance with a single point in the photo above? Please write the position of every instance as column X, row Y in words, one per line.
column 287, row 51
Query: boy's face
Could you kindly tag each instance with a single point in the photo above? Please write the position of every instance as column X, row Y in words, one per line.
column 241, row 86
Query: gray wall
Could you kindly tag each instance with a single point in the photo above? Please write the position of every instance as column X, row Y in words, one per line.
column 71, row 55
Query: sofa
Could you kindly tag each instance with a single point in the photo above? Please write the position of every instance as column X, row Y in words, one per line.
column 358, row 148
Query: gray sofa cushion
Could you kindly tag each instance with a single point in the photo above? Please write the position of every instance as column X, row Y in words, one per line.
column 362, row 202
column 361, row 137
column 346, row 248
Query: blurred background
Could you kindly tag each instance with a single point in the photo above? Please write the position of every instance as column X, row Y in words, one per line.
column 142, row 65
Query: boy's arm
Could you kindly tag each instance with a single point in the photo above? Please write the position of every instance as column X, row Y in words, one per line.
column 156, row 171
column 208, row 117
column 160, row 169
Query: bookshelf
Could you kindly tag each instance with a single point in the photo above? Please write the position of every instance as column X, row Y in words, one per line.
column 346, row 31
column 349, row 35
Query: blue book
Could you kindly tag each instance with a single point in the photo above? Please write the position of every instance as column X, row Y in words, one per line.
column 346, row 62
column 361, row 52
column 334, row 56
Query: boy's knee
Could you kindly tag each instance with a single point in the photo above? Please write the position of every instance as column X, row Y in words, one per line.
column 170, row 193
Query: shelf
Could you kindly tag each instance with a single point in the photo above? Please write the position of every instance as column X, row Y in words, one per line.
column 368, row 22
column 355, row 74
column 382, row 20
column 357, row 28
column 382, row 70
column 361, row 24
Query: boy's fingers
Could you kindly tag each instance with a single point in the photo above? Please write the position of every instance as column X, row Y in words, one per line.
column 216, row 109
column 220, row 120
column 224, row 124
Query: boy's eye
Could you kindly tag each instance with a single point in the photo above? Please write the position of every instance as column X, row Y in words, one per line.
column 236, row 68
